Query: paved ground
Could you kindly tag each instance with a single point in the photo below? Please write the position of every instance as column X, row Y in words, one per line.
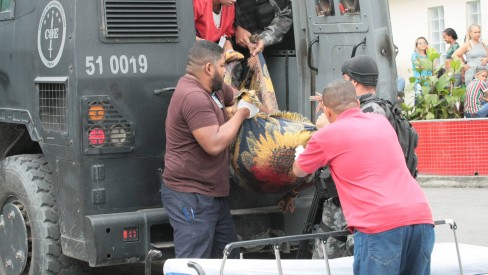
column 468, row 207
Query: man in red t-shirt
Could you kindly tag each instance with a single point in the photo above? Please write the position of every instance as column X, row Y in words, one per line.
column 383, row 204
column 196, row 164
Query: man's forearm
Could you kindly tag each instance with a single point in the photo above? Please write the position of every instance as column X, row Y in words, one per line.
column 297, row 171
column 280, row 25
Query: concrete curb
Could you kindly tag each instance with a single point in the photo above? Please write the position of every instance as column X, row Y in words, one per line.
column 453, row 181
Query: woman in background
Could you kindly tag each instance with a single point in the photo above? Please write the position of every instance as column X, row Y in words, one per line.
column 419, row 54
column 476, row 53
column 450, row 37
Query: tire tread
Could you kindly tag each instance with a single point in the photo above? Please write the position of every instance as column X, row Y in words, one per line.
column 42, row 193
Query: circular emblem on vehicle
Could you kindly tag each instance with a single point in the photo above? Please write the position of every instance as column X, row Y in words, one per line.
column 51, row 34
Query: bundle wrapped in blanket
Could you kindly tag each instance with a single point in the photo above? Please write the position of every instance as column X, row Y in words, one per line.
column 264, row 150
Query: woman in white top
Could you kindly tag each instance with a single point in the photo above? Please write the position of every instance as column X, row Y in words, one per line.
column 476, row 53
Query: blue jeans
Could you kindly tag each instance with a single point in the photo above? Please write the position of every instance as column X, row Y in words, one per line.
column 483, row 112
column 202, row 225
column 400, row 251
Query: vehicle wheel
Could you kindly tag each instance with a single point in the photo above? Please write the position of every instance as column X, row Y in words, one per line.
column 29, row 229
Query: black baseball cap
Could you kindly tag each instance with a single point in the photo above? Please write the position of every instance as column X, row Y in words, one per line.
column 363, row 69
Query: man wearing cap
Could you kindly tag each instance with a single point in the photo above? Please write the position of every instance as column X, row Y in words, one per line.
column 383, row 204
column 362, row 72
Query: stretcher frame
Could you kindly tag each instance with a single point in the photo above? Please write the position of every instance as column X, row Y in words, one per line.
column 275, row 242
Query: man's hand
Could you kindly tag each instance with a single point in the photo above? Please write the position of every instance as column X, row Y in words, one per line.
column 317, row 98
column 287, row 203
column 253, row 109
column 484, row 61
column 257, row 47
column 242, row 37
column 322, row 121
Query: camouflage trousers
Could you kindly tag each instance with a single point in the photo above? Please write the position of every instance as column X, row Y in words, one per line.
column 333, row 219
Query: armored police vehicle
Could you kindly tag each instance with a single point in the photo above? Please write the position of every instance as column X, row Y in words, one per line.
column 84, row 87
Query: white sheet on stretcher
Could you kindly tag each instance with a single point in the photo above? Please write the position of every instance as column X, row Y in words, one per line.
column 444, row 262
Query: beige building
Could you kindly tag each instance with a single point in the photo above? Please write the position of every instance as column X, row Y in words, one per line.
column 428, row 18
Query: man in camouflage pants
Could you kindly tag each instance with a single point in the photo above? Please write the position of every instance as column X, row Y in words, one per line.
column 261, row 23
column 333, row 220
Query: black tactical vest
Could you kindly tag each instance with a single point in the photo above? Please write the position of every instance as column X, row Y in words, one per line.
column 255, row 15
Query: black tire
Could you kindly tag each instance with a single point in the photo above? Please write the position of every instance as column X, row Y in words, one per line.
column 26, row 182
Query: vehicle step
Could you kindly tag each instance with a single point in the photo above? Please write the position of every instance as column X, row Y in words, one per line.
column 162, row 245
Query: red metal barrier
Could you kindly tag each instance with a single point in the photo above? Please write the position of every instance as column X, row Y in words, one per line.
column 452, row 147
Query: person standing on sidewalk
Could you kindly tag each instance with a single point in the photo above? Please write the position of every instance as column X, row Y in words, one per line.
column 383, row 204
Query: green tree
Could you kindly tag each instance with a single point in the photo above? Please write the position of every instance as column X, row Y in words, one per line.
column 439, row 98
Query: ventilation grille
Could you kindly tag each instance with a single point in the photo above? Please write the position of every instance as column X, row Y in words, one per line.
column 141, row 20
column 53, row 107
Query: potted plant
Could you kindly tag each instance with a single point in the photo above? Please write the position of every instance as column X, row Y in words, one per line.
column 439, row 98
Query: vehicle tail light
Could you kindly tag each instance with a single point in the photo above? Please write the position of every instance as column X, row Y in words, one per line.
column 106, row 128
column 118, row 135
column 96, row 112
column 130, row 234
column 96, row 136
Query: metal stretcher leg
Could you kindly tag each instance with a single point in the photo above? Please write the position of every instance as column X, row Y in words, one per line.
column 326, row 257
column 276, row 249
column 453, row 226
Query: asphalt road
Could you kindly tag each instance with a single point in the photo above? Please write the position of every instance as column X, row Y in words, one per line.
column 468, row 207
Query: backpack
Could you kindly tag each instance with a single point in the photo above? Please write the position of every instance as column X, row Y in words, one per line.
column 407, row 136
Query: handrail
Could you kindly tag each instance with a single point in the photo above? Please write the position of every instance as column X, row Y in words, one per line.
column 356, row 47
column 309, row 58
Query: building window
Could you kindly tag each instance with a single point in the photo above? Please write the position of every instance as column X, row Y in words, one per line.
column 5, row 5
column 473, row 14
column 436, row 27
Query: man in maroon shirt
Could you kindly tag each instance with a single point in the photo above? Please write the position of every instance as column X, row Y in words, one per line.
column 196, row 163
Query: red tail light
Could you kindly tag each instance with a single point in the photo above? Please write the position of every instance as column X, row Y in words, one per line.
column 96, row 136
column 130, row 234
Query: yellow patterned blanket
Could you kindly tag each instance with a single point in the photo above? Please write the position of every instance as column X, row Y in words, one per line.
column 264, row 150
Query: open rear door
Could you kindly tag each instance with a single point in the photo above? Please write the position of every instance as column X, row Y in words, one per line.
column 328, row 32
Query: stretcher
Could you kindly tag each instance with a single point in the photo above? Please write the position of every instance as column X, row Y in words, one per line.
column 446, row 259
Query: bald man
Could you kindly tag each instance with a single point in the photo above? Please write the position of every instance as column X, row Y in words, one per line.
column 383, row 204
